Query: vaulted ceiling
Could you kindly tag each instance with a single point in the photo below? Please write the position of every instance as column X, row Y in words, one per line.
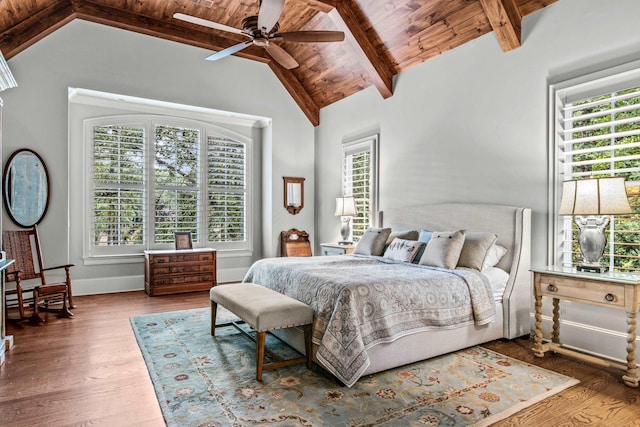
column 382, row 37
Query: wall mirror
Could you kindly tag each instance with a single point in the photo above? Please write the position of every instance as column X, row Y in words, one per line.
column 293, row 194
column 26, row 187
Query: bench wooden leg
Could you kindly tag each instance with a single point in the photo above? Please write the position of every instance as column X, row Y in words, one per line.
column 308, row 331
column 260, row 337
column 214, row 310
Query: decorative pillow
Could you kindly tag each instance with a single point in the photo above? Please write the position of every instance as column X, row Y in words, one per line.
column 494, row 255
column 443, row 249
column 402, row 249
column 423, row 237
column 475, row 248
column 402, row 234
column 372, row 241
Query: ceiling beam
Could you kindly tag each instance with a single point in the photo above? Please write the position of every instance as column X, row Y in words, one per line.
column 298, row 92
column 506, row 20
column 37, row 26
column 378, row 70
column 177, row 32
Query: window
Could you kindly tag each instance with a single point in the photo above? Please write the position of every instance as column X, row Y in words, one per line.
column 360, row 180
column 151, row 176
column 596, row 131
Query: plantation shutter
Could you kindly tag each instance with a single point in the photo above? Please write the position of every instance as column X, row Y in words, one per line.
column 358, row 180
column 117, row 197
column 227, row 190
column 599, row 136
column 176, row 179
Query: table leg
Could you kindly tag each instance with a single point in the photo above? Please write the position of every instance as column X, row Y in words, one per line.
column 556, row 321
column 537, row 349
column 631, row 379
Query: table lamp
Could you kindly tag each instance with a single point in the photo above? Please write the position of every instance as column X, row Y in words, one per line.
column 591, row 201
column 345, row 209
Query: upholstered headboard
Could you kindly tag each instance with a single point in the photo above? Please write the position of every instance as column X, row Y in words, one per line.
column 513, row 227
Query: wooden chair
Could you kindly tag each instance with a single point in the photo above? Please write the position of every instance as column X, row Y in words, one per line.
column 23, row 246
column 295, row 243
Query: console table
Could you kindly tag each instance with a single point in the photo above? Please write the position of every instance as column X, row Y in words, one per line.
column 616, row 290
column 175, row 271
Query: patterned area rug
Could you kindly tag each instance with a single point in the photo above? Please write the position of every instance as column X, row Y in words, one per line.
column 205, row 381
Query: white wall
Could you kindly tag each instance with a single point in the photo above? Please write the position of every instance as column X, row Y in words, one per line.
column 92, row 56
column 471, row 125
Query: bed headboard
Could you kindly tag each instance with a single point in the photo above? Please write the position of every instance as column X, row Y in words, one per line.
column 513, row 227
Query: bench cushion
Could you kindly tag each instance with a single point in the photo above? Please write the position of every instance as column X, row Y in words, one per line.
column 261, row 308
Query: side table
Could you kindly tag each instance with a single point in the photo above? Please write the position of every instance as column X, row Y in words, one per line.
column 616, row 290
column 336, row 248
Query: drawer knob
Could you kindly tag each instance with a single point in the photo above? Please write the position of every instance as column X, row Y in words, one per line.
column 609, row 297
column 552, row 288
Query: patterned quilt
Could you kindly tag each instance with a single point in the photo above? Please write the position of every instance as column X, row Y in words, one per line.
column 362, row 301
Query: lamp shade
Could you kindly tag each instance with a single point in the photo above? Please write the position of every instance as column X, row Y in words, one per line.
column 597, row 196
column 345, row 206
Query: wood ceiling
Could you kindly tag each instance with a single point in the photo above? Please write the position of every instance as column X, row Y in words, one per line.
column 382, row 37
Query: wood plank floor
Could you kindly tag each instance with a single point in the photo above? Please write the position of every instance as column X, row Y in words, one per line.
column 89, row 371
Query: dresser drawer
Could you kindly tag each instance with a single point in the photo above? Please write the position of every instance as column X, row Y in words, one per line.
column 583, row 291
column 168, row 272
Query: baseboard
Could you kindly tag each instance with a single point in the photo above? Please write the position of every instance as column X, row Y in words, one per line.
column 107, row 285
column 591, row 339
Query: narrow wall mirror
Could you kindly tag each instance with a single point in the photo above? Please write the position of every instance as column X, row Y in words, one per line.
column 293, row 194
column 26, row 187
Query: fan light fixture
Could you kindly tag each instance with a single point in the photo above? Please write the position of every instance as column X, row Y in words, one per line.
column 591, row 201
column 345, row 209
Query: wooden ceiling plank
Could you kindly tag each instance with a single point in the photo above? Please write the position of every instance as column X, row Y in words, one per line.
column 380, row 72
column 297, row 92
column 324, row 6
column 529, row 6
column 34, row 28
column 166, row 30
column 506, row 21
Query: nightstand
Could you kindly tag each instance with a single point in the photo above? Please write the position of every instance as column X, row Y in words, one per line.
column 336, row 249
column 616, row 290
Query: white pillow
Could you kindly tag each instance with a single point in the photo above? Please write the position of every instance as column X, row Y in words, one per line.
column 443, row 249
column 476, row 246
column 497, row 278
column 402, row 250
column 494, row 255
column 372, row 241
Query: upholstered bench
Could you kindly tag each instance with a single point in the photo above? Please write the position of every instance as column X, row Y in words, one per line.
column 264, row 310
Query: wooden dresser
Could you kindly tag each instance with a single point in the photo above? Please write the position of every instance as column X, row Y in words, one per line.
column 176, row 271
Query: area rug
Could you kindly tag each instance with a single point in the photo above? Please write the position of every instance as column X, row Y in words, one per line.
column 205, row 381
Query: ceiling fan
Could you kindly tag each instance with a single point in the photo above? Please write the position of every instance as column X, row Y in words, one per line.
column 262, row 30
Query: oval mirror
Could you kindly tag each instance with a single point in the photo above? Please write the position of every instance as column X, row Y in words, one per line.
column 26, row 187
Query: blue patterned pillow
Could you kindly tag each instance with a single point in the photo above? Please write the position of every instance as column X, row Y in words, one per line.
column 423, row 237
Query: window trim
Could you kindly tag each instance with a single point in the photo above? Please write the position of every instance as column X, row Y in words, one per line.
column 589, row 85
column 369, row 143
column 93, row 254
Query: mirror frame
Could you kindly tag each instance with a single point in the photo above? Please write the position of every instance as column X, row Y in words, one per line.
column 293, row 208
column 5, row 186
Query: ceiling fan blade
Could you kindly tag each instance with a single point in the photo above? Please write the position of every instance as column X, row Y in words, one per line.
column 228, row 51
column 311, row 36
column 206, row 23
column 281, row 56
column 269, row 13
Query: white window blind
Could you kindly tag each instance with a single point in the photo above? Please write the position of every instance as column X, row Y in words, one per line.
column 176, row 195
column 359, row 179
column 227, row 206
column 118, row 190
column 598, row 135
column 147, row 182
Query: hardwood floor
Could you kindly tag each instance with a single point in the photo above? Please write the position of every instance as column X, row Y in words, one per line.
column 89, row 371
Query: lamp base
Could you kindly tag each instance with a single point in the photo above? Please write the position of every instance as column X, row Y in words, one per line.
column 592, row 268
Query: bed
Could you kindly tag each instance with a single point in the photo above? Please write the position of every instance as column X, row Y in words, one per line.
column 372, row 313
